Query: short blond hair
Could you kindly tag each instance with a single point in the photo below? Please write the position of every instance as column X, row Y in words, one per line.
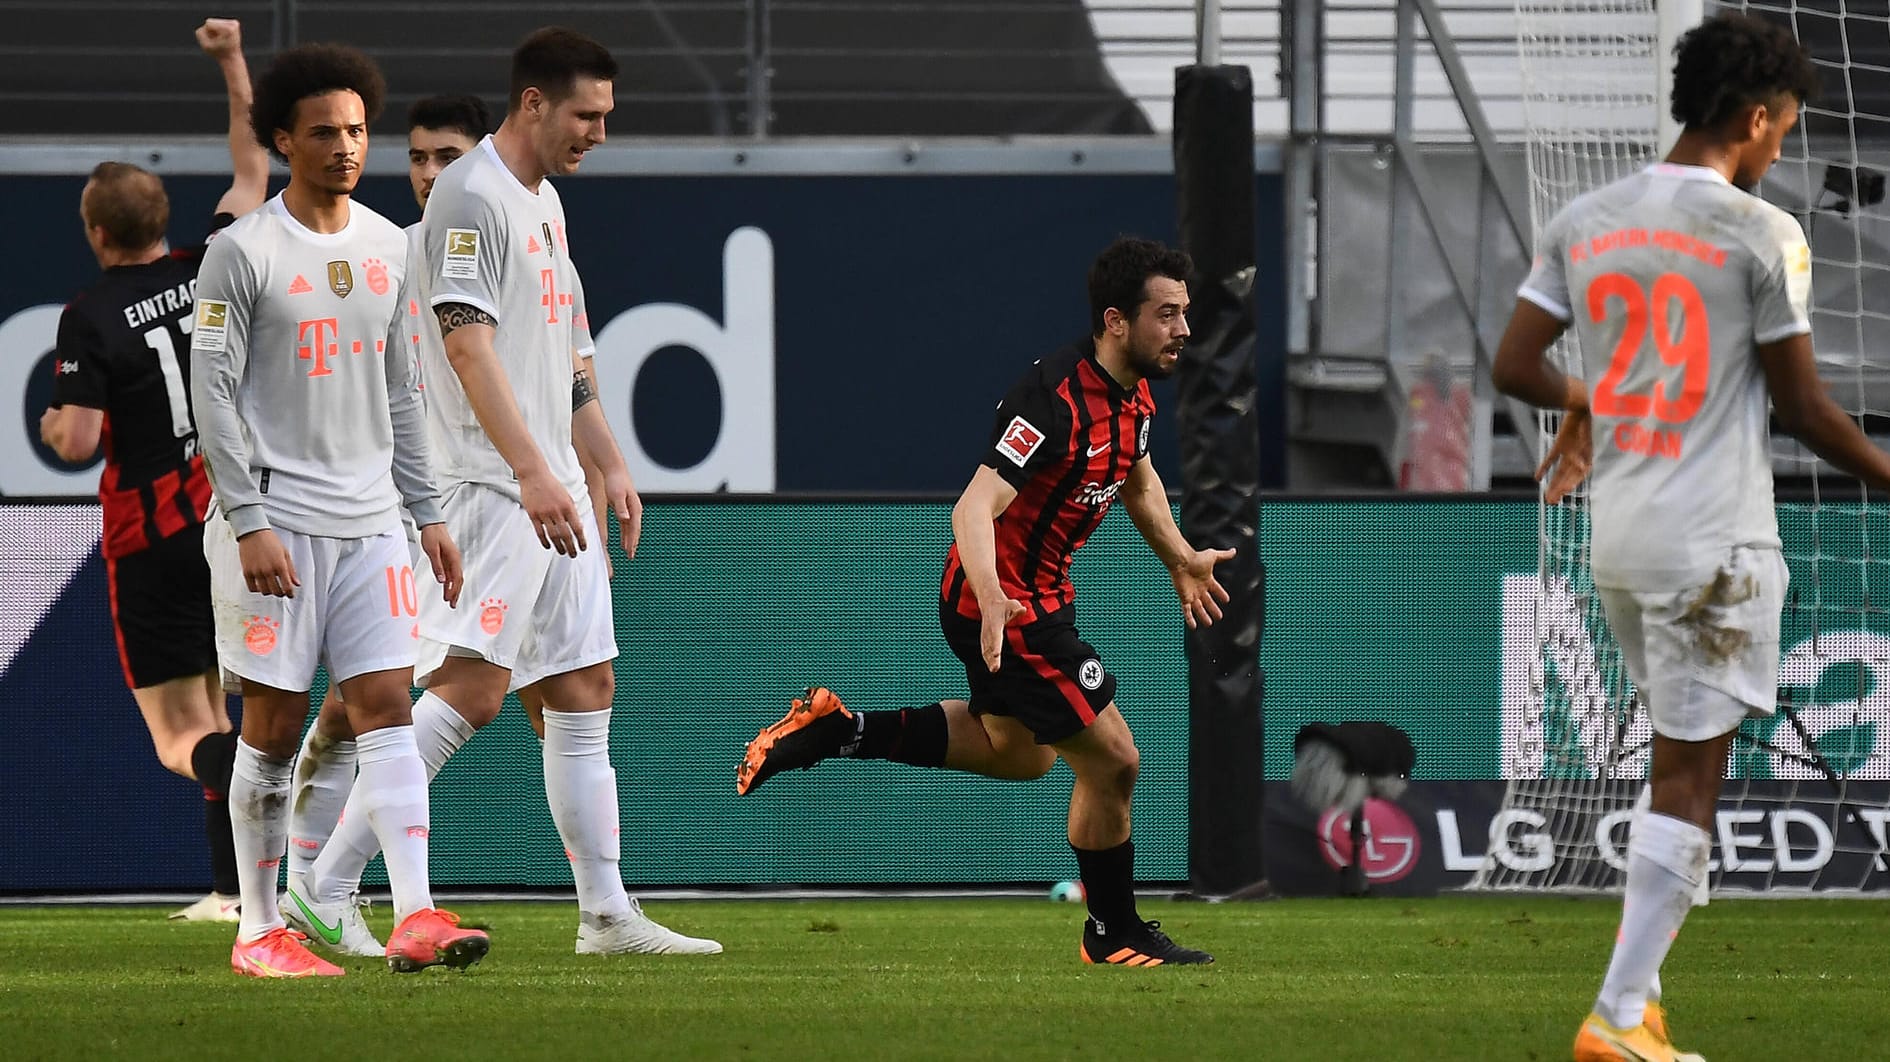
column 128, row 202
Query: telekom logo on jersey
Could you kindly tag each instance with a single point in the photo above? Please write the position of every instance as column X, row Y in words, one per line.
column 739, row 349
column 314, row 346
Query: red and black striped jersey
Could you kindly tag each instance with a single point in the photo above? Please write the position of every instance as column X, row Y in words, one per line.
column 124, row 348
column 1065, row 436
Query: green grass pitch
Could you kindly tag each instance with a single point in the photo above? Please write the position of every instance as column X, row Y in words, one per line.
column 1460, row 977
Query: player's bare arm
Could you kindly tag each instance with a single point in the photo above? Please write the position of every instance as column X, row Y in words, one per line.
column 222, row 40
column 1523, row 370
column 73, row 432
column 468, row 332
column 594, row 486
column 1192, row 569
column 974, row 526
column 1806, row 410
column 597, row 449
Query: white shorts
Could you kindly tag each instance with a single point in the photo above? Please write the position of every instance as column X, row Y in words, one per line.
column 1705, row 659
column 354, row 611
column 523, row 607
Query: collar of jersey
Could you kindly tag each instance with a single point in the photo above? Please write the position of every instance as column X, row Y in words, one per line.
column 282, row 209
column 1686, row 172
column 1088, row 347
column 492, row 152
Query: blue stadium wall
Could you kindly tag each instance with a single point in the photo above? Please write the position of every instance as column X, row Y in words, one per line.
column 756, row 334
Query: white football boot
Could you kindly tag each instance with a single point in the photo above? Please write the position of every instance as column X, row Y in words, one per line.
column 215, row 907
column 335, row 926
column 635, row 933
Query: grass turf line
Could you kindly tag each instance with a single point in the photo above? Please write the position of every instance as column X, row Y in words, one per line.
column 1459, row 977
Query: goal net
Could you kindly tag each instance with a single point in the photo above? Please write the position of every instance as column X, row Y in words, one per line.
column 1804, row 804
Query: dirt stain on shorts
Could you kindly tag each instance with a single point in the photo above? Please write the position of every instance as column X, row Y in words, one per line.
column 1701, row 617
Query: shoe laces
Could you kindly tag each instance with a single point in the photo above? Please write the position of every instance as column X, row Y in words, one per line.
column 431, row 913
column 284, row 932
column 1154, row 929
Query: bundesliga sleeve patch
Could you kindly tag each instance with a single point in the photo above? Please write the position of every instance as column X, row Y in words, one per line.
column 1020, row 439
column 462, row 255
column 212, row 328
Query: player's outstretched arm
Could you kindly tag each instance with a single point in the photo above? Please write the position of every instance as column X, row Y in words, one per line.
column 974, row 527
column 1806, row 410
column 468, row 334
column 1192, row 569
column 222, row 40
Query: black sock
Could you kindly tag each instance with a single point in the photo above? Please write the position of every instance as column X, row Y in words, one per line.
column 216, row 830
column 1109, row 884
column 917, row 736
column 212, row 761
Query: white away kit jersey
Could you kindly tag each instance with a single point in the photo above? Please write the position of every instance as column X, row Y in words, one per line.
column 1671, row 279
column 499, row 247
column 302, row 377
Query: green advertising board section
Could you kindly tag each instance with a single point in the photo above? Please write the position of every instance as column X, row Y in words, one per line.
column 1385, row 610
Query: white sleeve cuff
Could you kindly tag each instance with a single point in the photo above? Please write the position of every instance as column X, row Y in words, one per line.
column 1796, row 328
column 1550, row 306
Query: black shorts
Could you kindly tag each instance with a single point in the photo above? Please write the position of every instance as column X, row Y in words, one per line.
column 161, row 610
column 1048, row 678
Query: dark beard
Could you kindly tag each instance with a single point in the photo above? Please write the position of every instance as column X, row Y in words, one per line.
column 1150, row 366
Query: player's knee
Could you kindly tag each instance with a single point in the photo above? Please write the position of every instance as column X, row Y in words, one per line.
column 1041, row 759
column 175, row 756
column 1127, row 767
column 478, row 709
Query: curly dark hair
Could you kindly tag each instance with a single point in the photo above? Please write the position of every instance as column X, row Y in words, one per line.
column 311, row 70
column 1119, row 276
column 1731, row 62
column 462, row 114
column 552, row 59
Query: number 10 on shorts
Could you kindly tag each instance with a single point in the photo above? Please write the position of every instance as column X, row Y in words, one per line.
column 402, row 598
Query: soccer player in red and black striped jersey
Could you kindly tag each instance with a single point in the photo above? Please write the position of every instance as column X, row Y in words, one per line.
column 123, row 381
column 1070, row 438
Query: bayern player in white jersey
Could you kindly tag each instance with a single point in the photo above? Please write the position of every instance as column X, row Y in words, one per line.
column 330, row 842
column 507, row 397
column 1689, row 297
column 440, row 129
column 313, row 433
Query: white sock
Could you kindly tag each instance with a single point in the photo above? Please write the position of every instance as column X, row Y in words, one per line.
column 259, row 824
column 581, row 788
column 1666, row 861
column 324, row 775
column 438, row 732
column 393, row 790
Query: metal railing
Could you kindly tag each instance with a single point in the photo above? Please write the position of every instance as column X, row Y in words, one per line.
column 720, row 68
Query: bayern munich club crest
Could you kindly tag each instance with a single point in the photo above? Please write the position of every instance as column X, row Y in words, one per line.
column 1391, row 841
column 1090, row 674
